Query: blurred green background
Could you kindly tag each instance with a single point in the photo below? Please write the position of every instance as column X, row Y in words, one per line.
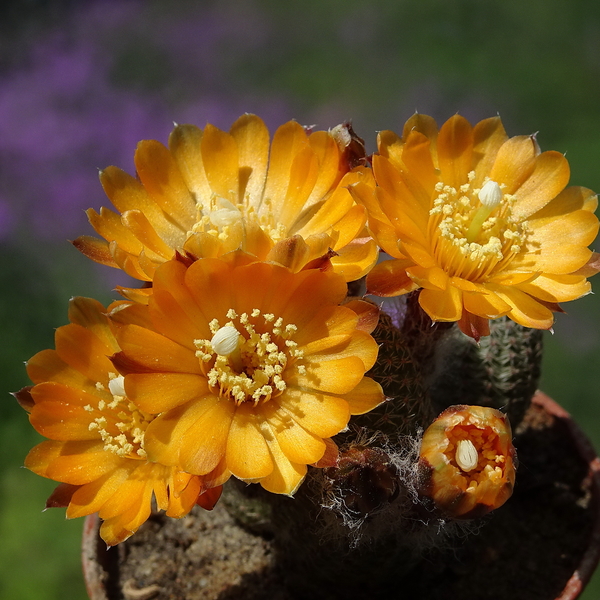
column 82, row 82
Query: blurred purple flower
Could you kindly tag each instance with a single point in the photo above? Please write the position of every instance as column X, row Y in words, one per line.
column 64, row 115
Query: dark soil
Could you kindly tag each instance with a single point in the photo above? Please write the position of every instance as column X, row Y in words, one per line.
column 526, row 550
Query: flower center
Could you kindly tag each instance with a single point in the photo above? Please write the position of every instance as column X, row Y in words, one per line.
column 474, row 453
column 472, row 230
column 118, row 422
column 229, row 221
column 247, row 356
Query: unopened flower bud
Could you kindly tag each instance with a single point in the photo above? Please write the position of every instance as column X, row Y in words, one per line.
column 468, row 461
column 365, row 478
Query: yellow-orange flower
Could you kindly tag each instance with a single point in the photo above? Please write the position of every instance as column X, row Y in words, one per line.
column 212, row 192
column 482, row 223
column 96, row 435
column 468, row 461
column 250, row 367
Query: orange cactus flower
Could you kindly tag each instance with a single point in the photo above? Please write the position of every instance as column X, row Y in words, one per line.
column 481, row 223
column 468, row 461
column 96, row 435
column 211, row 192
column 250, row 367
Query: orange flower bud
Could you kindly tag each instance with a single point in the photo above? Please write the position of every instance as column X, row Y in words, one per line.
column 467, row 461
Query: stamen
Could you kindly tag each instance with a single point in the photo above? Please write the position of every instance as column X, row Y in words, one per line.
column 246, row 364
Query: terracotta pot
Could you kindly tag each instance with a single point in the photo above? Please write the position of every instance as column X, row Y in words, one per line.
column 589, row 560
column 544, row 543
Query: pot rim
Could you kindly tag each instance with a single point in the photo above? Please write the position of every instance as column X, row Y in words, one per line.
column 589, row 561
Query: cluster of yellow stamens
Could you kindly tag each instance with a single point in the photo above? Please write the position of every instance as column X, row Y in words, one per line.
column 472, row 230
column 248, row 355
column 223, row 219
column 119, row 423
column 473, row 451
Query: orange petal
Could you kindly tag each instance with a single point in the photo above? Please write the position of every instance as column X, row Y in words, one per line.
column 247, row 453
column 358, row 343
column 569, row 200
column 252, row 139
column 109, row 225
column 488, row 306
column 328, row 156
column 137, row 222
column 184, row 143
column 289, row 139
column 488, row 137
column 152, row 351
column 389, row 278
column 161, row 177
column 442, row 305
column 95, row 249
column 207, row 500
column 83, row 351
column 548, row 178
column 221, row 163
column 158, row 392
column 338, row 376
column 514, row 162
column 59, row 412
column 364, row 397
column 193, row 435
column 286, row 476
column 299, row 445
column 355, row 259
column 368, row 314
column 91, row 497
column 74, row 462
column 525, row 310
column 302, row 178
column 321, row 414
column 127, row 193
column 455, row 148
column 557, row 288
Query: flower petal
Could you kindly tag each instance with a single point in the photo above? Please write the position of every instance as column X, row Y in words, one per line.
column 321, row 414
column 442, row 305
column 158, row 392
column 549, row 177
column 455, row 148
column 247, row 453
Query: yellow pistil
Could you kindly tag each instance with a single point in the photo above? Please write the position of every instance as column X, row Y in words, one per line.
column 490, row 196
column 247, row 361
column 120, row 424
column 472, row 229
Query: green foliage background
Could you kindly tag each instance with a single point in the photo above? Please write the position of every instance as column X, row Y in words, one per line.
column 535, row 62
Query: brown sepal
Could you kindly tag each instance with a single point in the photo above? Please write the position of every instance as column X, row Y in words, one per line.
column 474, row 326
column 354, row 152
column 185, row 258
column 323, row 263
column 368, row 313
column 330, row 457
column 126, row 365
column 61, row 496
column 97, row 250
column 208, row 499
column 24, row 398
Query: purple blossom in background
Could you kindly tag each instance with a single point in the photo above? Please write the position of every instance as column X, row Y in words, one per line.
column 64, row 115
